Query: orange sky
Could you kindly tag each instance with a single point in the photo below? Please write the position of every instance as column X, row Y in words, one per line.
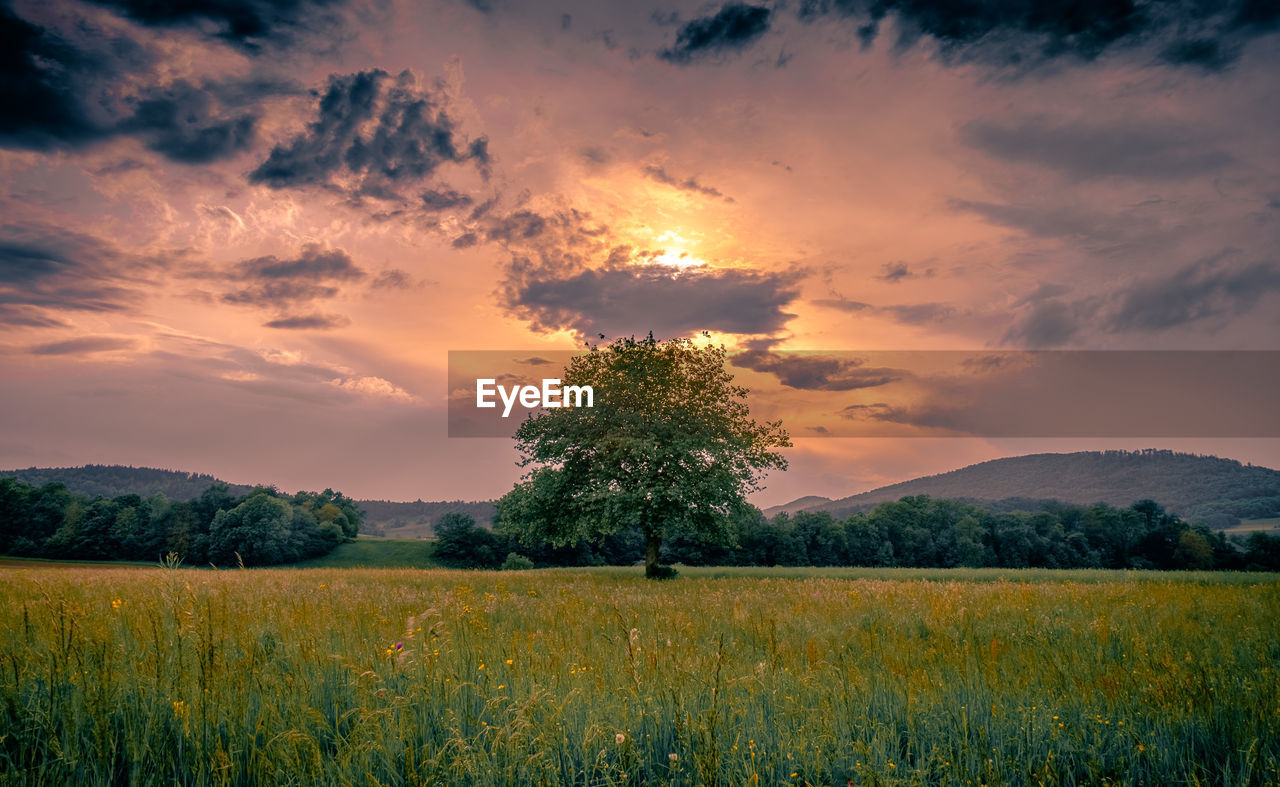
column 248, row 250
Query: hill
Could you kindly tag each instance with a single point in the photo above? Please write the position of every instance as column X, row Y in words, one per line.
column 1207, row 488
column 382, row 517
column 116, row 480
column 799, row 504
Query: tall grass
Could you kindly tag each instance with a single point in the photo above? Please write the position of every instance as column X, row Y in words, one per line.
column 573, row 677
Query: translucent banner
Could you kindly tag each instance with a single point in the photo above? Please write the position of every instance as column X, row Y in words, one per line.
column 927, row 393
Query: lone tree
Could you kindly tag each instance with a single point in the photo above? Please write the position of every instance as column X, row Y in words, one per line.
column 668, row 447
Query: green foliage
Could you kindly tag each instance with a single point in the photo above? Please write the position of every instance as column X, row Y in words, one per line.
column 516, row 562
column 188, row 677
column 261, row 528
column 668, row 448
column 461, row 543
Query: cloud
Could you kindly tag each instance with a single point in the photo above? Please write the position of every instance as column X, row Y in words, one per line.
column 249, row 25
column 621, row 300
column 1050, row 323
column 1210, row 288
column 373, row 387
column 46, row 267
column 85, row 345
column 270, row 282
column 908, row 313
column 1144, row 150
column 49, row 83
column 444, row 199
column 1213, row 288
column 1019, row 36
column 814, row 372
column 184, row 124
column 392, row 279
column 895, row 272
column 373, row 134
column 309, row 322
column 81, row 84
column 733, row 28
column 654, row 172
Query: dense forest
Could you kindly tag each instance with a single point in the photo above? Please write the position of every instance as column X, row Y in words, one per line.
column 380, row 517
column 219, row 526
column 916, row 531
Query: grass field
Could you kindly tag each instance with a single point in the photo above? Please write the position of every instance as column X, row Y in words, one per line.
column 363, row 676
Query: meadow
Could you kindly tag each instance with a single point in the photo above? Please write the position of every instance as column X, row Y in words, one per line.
column 599, row 677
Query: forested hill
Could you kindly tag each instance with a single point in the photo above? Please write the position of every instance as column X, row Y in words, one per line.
column 381, row 517
column 1203, row 487
column 116, row 480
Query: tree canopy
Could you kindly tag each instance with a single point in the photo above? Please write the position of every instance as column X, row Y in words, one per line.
column 668, row 447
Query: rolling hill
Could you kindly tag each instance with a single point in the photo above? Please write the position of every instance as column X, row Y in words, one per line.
column 1205, row 487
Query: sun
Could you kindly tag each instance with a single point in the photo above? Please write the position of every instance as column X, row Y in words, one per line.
column 678, row 259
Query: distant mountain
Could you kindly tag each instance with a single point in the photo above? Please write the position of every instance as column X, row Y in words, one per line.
column 799, row 504
column 382, row 517
column 1186, row 484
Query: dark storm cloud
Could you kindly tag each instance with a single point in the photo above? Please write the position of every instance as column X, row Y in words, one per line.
column 1202, row 290
column 734, row 27
column 182, row 123
column 814, row 372
column 691, row 184
column 309, row 322
column 634, row 299
column 81, row 86
column 270, row 282
column 1024, row 34
column 249, row 25
column 46, row 267
column 47, row 83
column 85, row 345
column 373, row 133
column 1084, row 151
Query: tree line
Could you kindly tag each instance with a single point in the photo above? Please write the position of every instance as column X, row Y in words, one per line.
column 261, row 527
column 917, row 531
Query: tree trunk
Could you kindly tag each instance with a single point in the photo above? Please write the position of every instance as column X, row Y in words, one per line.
column 652, row 544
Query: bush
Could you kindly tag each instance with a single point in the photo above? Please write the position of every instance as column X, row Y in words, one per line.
column 516, row 562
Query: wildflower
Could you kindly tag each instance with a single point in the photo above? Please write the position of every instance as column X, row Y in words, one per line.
column 116, row 604
column 673, row 757
column 620, row 739
column 481, row 666
column 509, row 662
column 1141, row 747
column 399, row 646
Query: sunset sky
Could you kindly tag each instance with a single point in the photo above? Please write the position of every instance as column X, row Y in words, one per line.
column 241, row 237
